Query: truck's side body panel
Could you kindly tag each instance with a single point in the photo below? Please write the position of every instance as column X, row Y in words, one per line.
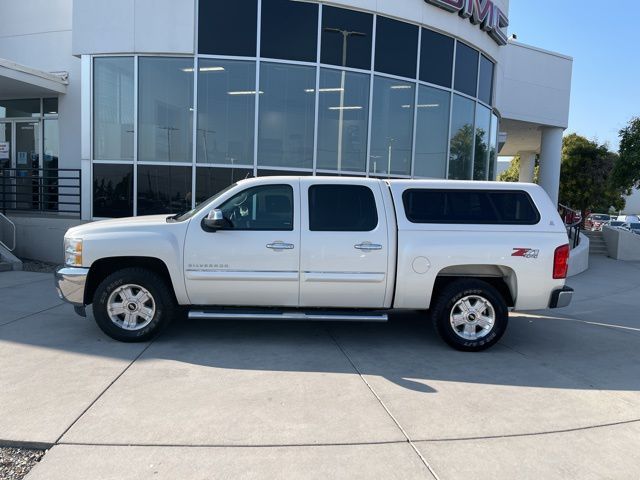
column 394, row 263
column 244, row 267
column 146, row 237
column 345, row 268
column 521, row 254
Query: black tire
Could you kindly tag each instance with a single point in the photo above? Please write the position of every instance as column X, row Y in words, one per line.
column 162, row 297
column 450, row 296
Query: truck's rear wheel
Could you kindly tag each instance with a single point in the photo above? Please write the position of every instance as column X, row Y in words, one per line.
column 133, row 305
column 470, row 315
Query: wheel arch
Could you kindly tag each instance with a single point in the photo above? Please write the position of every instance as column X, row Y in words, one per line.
column 502, row 278
column 104, row 267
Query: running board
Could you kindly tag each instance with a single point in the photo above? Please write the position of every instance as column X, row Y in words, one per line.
column 275, row 315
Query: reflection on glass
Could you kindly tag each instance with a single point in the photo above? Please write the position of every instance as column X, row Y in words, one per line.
column 165, row 115
column 396, row 47
column 163, row 189
column 461, row 139
column 481, row 159
column 346, row 38
column 227, row 28
column 286, row 118
column 210, row 181
column 466, row 69
column 225, row 122
column 20, row 108
column 493, row 147
column 431, row 133
column 50, row 106
column 289, row 30
column 5, row 146
column 486, row 80
column 282, row 173
column 51, row 149
column 113, row 108
column 436, row 58
column 112, row 190
column 342, row 120
column 391, row 127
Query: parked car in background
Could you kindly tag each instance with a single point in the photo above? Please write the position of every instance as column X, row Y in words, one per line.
column 628, row 218
column 616, row 224
column 596, row 221
column 633, row 227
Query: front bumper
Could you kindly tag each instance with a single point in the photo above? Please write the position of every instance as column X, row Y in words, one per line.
column 561, row 298
column 70, row 283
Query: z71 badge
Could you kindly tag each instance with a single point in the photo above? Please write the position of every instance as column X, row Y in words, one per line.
column 525, row 252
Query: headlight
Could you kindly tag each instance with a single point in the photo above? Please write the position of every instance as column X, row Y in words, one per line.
column 73, row 252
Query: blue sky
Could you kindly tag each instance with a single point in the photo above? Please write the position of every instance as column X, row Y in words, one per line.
column 603, row 38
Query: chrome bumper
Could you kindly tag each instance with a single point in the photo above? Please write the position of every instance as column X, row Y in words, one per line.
column 70, row 282
column 561, row 298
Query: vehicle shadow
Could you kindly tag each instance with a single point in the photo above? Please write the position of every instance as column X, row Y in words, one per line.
column 536, row 351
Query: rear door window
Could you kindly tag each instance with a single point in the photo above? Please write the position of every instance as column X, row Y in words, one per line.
column 342, row 208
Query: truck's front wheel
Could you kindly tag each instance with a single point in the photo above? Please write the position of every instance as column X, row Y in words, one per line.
column 133, row 305
column 470, row 315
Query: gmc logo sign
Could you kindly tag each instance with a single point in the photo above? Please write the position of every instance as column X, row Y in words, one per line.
column 480, row 12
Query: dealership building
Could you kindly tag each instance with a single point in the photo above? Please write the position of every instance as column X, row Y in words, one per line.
column 136, row 107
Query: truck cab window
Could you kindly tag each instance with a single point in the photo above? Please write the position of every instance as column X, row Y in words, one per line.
column 268, row 207
column 342, row 208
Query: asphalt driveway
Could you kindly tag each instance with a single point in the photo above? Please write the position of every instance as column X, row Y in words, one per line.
column 559, row 397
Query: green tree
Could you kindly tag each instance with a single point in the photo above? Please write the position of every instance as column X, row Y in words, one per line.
column 461, row 153
column 626, row 173
column 512, row 174
column 586, row 178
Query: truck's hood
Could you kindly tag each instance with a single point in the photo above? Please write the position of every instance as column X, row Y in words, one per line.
column 118, row 224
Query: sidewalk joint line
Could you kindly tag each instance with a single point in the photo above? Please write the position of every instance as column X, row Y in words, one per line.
column 216, row 445
column 409, row 441
column 104, row 391
column 31, row 314
column 532, row 434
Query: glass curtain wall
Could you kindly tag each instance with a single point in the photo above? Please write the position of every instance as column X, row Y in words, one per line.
column 431, row 133
column 391, row 127
column 343, row 117
column 314, row 89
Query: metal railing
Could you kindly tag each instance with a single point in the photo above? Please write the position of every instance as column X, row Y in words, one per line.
column 6, row 223
column 41, row 190
column 573, row 222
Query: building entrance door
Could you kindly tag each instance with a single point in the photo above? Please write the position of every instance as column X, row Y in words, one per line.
column 19, row 163
column 26, row 161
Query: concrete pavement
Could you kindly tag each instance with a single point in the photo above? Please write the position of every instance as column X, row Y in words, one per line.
column 559, row 397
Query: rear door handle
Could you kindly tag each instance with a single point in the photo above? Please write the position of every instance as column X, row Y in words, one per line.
column 368, row 246
column 280, row 246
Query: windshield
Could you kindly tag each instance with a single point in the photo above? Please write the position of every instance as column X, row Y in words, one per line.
column 182, row 216
column 600, row 218
column 615, row 223
column 634, row 226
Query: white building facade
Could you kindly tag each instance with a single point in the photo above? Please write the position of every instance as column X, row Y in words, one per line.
column 161, row 103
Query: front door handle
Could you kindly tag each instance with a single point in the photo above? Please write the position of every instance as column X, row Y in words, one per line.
column 280, row 246
column 368, row 246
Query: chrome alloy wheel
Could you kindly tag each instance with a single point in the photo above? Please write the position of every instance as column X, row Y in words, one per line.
column 131, row 307
column 472, row 317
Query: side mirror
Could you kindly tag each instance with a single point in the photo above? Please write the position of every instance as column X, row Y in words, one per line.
column 215, row 220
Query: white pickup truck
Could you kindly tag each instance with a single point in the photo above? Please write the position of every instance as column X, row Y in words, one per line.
column 327, row 248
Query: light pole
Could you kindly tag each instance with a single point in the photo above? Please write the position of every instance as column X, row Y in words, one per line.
column 169, row 130
column 345, row 41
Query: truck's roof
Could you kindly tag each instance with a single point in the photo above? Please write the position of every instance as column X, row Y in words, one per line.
column 414, row 183
column 460, row 184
